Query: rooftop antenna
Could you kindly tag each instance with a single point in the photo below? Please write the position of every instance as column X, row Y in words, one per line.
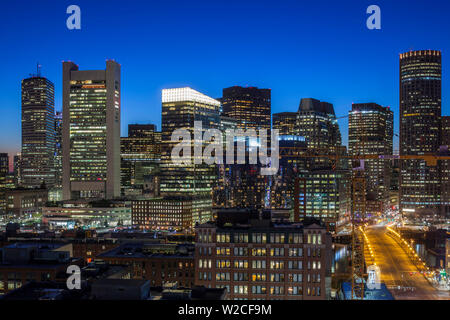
column 38, row 69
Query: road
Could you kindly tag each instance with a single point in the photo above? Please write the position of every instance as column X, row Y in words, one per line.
column 395, row 267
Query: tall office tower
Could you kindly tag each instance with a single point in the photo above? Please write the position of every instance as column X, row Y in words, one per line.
column 317, row 122
column 17, row 171
column 320, row 192
column 186, row 189
column 291, row 165
column 251, row 106
column 91, row 132
column 58, row 149
column 38, row 133
column 224, row 187
column 445, row 131
column 370, row 132
column 420, row 126
column 285, row 122
column 140, row 156
column 181, row 107
column 444, row 167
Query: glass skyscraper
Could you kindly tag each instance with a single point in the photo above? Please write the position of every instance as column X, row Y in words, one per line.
column 420, row 128
column 38, row 132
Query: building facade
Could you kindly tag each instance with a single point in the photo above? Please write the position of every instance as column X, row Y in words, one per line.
column 284, row 122
column 251, row 106
column 255, row 258
column 38, row 133
column 91, row 132
column 140, row 156
column 420, row 130
column 370, row 132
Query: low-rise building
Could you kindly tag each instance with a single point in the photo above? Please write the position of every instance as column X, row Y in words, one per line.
column 255, row 258
column 34, row 261
column 157, row 262
column 73, row 214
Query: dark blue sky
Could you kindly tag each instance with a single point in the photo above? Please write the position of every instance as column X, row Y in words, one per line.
column 319, row 49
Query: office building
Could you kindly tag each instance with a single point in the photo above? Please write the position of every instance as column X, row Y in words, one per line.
column 140, row 156
column 91, row 132
column 255, row 258
column 292, row 163
column 25, row 203
column 420, row 129
column 58, row 149
column 316, row 121
column 186, row 189
column 445, row 131
column 181, row 107
column 370, row 133
column 38, row 132
column 4, row 168
column 284, row 122
column 251, row 106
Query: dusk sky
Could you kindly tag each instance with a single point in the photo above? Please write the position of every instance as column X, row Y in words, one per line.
column 299, row 49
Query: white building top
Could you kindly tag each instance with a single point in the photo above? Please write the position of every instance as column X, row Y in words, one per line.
column 187, row 94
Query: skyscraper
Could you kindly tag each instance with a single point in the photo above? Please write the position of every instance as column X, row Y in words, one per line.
column 420, row 126
column 91, row 132
column 322, row 190
column 181, row 107
column 38, row 133
column 445, row 131
column 140, row 156
column 285, row 122
column 186, row 189
column 251, row 106
column 58, row 149
column 370, row 132
column 316, row 121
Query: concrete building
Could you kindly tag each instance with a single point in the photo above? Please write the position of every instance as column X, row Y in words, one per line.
column 79, row 214
column 91, row 132
column 24, row 202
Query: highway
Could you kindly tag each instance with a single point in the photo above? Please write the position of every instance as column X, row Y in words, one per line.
column 395, row 267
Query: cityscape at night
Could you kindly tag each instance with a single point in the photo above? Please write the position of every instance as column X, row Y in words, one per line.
column 225, row 150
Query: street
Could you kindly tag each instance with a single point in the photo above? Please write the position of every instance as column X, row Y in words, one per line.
column 397, row 270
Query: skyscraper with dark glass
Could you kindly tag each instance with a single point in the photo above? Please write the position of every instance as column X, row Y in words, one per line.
column 91, row 132
column 140, row 156
column 251, row 106
column 38, row 132
column 420, row 128
column 370, row 132
column 284, row 122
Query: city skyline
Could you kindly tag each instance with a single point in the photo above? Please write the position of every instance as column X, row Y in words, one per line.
column 294, row 74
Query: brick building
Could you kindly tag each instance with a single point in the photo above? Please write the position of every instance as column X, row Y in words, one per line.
column 255, row 258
